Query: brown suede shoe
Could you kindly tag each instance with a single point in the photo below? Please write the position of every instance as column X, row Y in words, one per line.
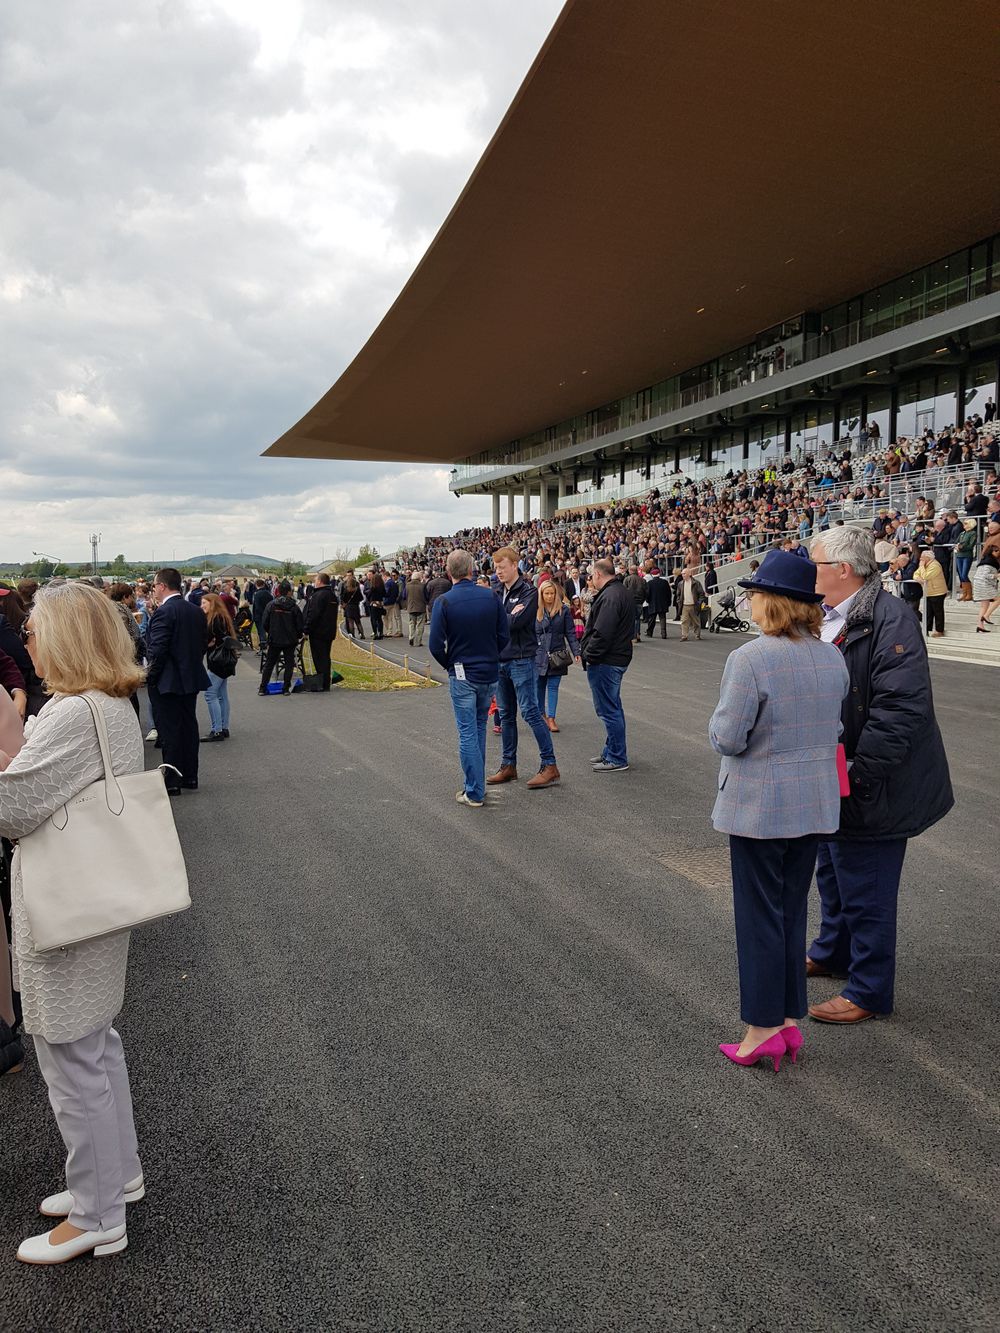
column 505, row 773
column 550, row 722
column 546, row 777
column 816, row 969
column 839, row 1010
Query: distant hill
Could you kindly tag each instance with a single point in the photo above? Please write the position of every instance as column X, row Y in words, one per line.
column 228, row 558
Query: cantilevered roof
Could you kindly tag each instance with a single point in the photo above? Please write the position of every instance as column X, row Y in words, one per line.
column 673, row 177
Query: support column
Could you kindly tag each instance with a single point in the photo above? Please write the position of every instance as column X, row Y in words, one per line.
column 545, row 501
column 510, row 509
column 563, row 487
column 496, row 509
column 527, row 501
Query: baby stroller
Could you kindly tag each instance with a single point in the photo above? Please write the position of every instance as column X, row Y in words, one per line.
column 244, row 627
column 726, row 617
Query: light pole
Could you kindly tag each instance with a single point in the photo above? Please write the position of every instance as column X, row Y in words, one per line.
column 95, row 541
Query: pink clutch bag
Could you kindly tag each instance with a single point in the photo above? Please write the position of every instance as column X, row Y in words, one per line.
column 842, row 778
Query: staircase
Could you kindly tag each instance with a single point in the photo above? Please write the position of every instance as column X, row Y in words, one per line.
column 961, row 643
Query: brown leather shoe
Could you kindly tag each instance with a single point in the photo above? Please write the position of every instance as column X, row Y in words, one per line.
column 816, row 969
column 505, row 773
column 550, row 722
column 839, row 1010
column 546, row 777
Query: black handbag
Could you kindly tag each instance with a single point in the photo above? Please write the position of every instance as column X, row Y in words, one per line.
column 562, row 657
column 222, row 657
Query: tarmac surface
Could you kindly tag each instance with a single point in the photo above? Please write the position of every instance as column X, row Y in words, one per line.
column 411, row 1066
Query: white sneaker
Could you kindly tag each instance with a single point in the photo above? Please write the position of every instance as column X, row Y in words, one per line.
column 61, row 1205
column 152, row 735
column 463, row 798
column 39, row 1249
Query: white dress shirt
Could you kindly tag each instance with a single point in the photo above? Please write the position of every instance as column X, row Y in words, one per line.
column 835, row 618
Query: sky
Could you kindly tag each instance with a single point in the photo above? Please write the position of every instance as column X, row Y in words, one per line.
column 206, row 206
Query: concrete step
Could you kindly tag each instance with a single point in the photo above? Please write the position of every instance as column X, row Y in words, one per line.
column 962, row 650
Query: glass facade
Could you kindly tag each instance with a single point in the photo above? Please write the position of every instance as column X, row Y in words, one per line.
column 933, row 289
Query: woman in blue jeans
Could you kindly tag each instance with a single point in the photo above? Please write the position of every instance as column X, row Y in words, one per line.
column 220, row 626
column 554, row 630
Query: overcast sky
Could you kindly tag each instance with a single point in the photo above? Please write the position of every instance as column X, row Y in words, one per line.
column 206, row 206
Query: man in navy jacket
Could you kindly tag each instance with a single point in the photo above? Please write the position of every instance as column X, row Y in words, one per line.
column 468, row 633
column 175, row 647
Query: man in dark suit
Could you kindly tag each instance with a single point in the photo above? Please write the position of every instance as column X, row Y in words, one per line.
column 657, row 603
column 175, row 646
column 321, row 625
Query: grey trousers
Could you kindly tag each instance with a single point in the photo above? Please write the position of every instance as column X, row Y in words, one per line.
column 89, row 1092
column 418, row 619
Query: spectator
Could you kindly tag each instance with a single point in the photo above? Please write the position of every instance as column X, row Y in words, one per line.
column 320, row 624
column 692, row 599
column 351, row 597
column 261, row 597
column 178, row 637
column 930, row 574
column 657, row 603
column 636, row 589
column 71, row 996
column 984, row 587
column 899, row 780
column 375, row 600
column 780, row 701
column 416, row 608
column 283, row 627
column 556, row 640
column 393, row 624
column 517, row 683
column 220, row 628
column 606, row 651
column 468, row 632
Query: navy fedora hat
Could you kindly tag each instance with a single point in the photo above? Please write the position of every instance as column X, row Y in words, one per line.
column 786, row 575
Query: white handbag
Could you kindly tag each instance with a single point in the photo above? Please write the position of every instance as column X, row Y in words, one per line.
column 108, row 860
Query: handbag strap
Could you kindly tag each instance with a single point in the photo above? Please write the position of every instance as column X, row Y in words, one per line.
column 110, row 781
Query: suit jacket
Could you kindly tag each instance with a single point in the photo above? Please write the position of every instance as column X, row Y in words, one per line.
column 776, row 726
column 175, row 647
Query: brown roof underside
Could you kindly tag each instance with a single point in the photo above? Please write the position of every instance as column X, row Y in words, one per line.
column 664, row 155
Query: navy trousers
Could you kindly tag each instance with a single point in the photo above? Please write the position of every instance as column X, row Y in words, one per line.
column 771, row 878
column 859, row 887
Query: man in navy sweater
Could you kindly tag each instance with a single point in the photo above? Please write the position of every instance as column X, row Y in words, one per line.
column 468, row 633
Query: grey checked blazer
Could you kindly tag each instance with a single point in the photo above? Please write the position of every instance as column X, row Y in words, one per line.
column 776, row 726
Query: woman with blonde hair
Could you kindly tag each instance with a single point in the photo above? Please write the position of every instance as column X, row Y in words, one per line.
column 555, row 635
column 776, row 726
column 71, row 996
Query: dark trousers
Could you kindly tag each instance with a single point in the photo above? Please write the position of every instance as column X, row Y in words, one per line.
column 261, row 636
column 651, row 620
column 319, row 647
column 286, row 654
column 859, row 886
column 935, row 613
column 376, row 616
column 177, row 727
column 771, row 878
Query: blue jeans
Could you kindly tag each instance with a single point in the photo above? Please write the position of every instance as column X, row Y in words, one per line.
column 551, row 683
column 471, row 702
column 637, row 627
column 606, row 688
column 217, row 698
column 518, row 688
column 858, row 886
column 963, row 563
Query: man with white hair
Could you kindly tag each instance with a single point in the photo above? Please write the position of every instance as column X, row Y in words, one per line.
column 898, row 774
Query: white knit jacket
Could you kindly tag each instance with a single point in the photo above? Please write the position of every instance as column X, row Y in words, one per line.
column 66, row 993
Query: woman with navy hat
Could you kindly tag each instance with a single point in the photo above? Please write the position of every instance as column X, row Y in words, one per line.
column 776, row 727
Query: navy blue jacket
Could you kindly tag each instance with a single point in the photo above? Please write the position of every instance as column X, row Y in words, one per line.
column 900, row 784
column 551, row 634
column 469, row 625
column 175, row 645
column 523, row 643
column 261, row 598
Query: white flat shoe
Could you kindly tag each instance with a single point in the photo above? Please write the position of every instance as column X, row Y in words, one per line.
column 39, row 1250
column 61, row 1205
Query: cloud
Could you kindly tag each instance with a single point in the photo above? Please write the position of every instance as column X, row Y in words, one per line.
column 205, row 208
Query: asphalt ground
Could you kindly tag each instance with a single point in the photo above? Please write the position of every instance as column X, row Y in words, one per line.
column 411, row 1066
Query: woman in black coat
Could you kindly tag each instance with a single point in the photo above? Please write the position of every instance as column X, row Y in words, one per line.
column 554, row 631
column 375, row 599
column 350, row 602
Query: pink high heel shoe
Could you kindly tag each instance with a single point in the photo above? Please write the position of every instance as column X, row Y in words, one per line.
column 773, row 1047
column 793, row 1041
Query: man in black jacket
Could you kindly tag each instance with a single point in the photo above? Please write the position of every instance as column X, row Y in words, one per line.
column 282, row 625
column 320, row 623
column 606, row 650
column 175, row 648
column 898, row 771
column 657, row 602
